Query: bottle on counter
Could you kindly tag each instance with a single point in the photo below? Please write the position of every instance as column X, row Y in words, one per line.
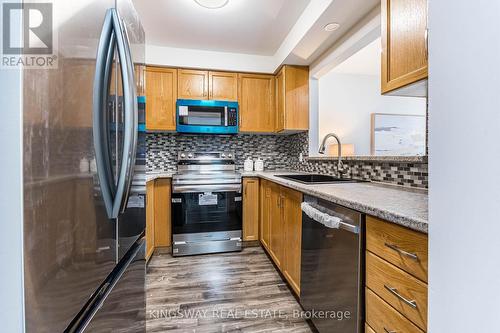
column 248, row 165
column 84, row 165
column 259, row 164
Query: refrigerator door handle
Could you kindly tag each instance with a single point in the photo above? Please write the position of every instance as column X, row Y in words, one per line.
column 99, row 123
column 131, row 116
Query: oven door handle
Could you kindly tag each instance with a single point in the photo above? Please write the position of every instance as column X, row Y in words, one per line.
column 207, row 188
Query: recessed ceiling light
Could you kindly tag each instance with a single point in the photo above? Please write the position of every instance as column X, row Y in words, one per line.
column 331, row 26
column 212, row 4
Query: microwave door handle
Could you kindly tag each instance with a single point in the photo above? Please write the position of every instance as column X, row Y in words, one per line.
column 127, row 162
column 225, row 116
column 100, row 133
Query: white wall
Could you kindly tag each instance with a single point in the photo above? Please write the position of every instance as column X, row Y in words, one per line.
column 346, row 102
column 464, row 197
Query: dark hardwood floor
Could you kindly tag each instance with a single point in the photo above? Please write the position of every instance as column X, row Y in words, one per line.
column 230, row 292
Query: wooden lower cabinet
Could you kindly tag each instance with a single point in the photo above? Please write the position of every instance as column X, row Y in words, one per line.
column 158, row 215
column 396, row 278
column 275, row 225
column 250, row 209
column 150, row 218
column 382, row 277
column 265, row 214
column 162, row 202
column 368, row 329
column 384, row 318
column 292, row 223
column 402, row 247
column 281, row 229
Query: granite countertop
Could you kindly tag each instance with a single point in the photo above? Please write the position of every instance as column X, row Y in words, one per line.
column 155, row 175
column 388, row 159
column 400, row 205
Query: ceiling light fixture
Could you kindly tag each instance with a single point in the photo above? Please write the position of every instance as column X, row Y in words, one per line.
column 331, row 26
column 212, row 4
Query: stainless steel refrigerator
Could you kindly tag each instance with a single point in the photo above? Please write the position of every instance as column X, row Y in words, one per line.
column 84, row 180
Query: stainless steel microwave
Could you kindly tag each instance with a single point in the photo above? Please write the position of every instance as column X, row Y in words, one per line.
column 208, row 117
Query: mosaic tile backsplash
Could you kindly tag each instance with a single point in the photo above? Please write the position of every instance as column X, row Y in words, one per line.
column 278, row 152
column 163, row 148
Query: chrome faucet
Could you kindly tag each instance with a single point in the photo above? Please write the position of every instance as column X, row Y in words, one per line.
column 322, row 148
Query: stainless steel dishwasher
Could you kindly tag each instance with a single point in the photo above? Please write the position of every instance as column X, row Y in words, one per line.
column 332, row 262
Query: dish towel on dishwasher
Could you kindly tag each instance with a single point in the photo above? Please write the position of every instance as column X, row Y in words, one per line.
column 317, row 215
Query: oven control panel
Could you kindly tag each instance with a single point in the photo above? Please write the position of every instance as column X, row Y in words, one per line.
column 206, row 156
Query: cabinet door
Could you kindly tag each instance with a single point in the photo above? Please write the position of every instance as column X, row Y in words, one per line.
column 192, row 84
column 404, row 43
column 276, row 225
column 161, row 95
column 150, row 214
column 250, row 209
column 223, row 86
column 265, row 214
column 280, row 100
column 292, row 216
column 292, row 101
column 256, row 103
column 162, row 225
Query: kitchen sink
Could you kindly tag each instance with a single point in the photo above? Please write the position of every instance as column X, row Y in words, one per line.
column 318, row 179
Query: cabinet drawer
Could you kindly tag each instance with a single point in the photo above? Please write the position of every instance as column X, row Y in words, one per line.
column 368, row 329
column 382, row 277
column 383, row 318
column 405, row 248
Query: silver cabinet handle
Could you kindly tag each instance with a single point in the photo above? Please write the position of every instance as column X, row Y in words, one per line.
column 131, row 114
column 104, row 60
column 389, row 331
column 405, row 253
column 426, row 37
column 394, row 291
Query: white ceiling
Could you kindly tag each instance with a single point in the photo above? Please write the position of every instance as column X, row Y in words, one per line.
column 244, row 26
column 316, row 41
column 364, row 62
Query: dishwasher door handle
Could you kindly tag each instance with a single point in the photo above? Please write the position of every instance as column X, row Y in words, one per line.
column 321, row 217
column 349, row 227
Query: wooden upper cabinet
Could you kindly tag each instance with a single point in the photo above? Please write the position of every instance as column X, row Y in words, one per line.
column 404, row 44
column 223, row 86
column 250, row 209
column 192, row 84
column 256, row 103
column 280, row 100
column 161, row 96
column 292, row 99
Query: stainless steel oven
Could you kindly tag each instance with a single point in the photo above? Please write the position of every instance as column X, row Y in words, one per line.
column 206, row 204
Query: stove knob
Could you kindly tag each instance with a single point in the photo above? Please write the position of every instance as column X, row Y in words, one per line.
column 190, row 155
column 223, row 155
column 183, row 155
column 230, row 155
